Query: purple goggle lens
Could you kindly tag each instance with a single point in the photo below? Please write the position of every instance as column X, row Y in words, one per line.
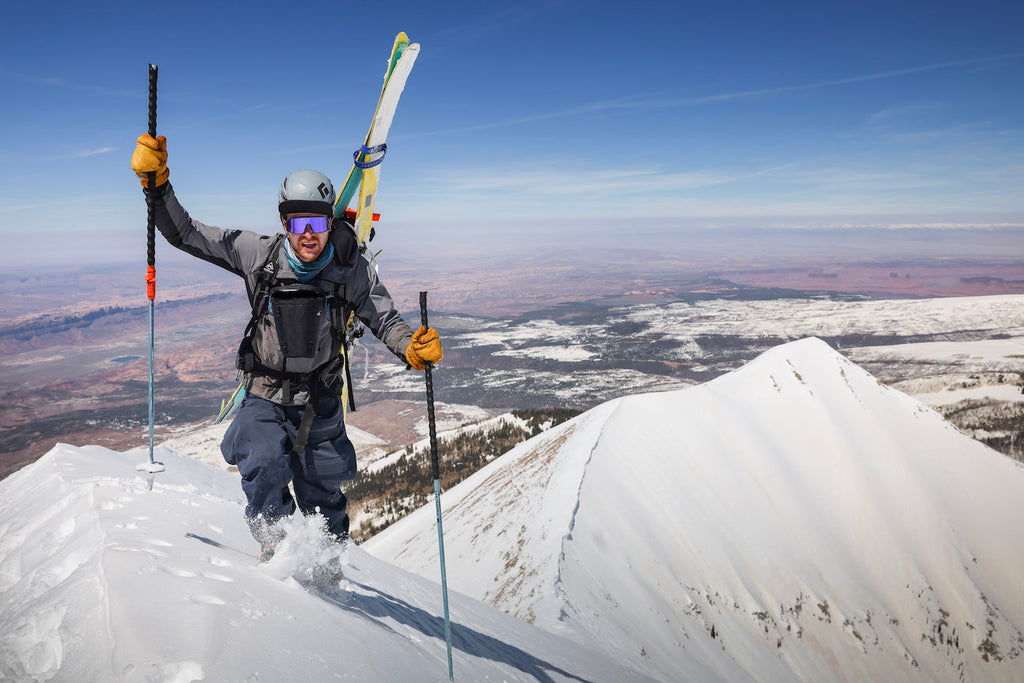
column 318, row 223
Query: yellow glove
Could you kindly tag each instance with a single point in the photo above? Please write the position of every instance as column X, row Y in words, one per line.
column 425, row 347
column 150, row 156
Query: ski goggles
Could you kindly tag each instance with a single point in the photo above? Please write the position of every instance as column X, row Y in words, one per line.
column 317, row 223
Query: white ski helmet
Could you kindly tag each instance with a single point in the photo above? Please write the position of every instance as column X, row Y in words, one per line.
column 306, row 191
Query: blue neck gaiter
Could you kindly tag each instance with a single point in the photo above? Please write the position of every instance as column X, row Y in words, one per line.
column 306, row 271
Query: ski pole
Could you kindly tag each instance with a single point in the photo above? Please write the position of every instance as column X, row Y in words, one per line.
column 152, row 466
column 437, row 489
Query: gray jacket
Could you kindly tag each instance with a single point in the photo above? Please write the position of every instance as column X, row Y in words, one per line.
column 244, row 253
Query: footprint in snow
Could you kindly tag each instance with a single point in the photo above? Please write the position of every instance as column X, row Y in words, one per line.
column 218, row 561
column 183, row 573
column 132, row 549
column 206, row 600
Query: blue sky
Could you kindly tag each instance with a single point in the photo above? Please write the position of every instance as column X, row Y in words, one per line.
column 545, row 115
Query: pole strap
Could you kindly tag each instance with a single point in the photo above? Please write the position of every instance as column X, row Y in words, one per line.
column 361, row 155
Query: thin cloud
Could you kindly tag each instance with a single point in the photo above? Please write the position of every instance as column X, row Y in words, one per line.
column 53, row 82
column 669, row 103
column 94, row 152
column 760, row 92
column 593, row 107
column 564, row 181
column 903, row 111
column 949, row 133
column 30, row 207
column 842, row 179
column 495, row 23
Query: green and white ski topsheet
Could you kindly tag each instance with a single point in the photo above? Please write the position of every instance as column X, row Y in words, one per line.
column 403, row 56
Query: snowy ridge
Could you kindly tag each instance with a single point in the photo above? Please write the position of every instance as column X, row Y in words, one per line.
column 792, row 520
column 531, row 476
column 202, row 442
column 100, row 581
column 445, row 432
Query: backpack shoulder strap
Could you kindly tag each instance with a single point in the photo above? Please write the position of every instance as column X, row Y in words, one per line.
column 264, row 279
column 341, row 314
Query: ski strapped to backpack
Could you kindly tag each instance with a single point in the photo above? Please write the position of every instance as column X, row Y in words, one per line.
column 365, row 171
column 403, row 54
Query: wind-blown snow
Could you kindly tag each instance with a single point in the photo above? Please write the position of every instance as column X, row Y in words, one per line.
column 792, row 520
column 100, row 581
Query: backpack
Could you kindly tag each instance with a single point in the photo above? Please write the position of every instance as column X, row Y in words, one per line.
column 292, row 306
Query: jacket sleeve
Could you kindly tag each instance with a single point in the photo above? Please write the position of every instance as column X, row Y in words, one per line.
column 373, row 305
column 239, row 251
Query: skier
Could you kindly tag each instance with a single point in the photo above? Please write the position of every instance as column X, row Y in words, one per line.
column 302, row 286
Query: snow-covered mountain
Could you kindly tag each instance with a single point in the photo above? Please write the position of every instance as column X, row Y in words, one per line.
column 100, row 581
column 792, row 520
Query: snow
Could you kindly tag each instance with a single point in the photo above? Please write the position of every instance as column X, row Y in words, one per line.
column 530, row 332
column 786, row 318
column 821, row 525
column 792, row 520
column 100, row 581
column 555, row 358
column 994, row 354
column 1000, row 392
column 564, row 354
column 446, row 430
column 450, row 417
column 202, row 442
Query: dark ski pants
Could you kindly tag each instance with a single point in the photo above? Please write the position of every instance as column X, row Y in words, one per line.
column 259, row 442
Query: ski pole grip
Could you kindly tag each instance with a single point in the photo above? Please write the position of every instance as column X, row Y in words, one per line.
column 423, row 321
column 150, row 182
column 152, row 99
column 428, row 376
